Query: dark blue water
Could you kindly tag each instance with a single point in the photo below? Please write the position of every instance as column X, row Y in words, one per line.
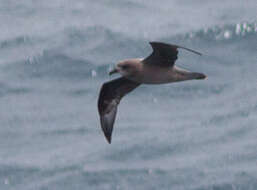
column 197, row 135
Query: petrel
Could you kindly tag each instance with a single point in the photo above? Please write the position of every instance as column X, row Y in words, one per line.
column 158, row 68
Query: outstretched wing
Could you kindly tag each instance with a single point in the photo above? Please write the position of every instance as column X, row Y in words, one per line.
column 109, row 99
column 164, row 54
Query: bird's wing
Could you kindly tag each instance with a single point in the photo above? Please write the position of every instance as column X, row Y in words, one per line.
column 109, row 98
column 164, row 54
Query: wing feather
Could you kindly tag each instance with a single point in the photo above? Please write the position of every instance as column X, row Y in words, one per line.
column 164, row 54
column 109, row 99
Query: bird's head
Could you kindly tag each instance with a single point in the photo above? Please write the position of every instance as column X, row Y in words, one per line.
column 125, row 68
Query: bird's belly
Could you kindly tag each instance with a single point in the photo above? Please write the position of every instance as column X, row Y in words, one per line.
column 154, row 78
column 157, row 79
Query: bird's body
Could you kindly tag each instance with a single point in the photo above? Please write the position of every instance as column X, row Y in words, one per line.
column 154, row 74
column 158, row 68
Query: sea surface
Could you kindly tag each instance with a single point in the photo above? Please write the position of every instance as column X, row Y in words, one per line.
column 194, row 135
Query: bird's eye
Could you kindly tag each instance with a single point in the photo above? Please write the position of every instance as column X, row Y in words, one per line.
column 125, row 66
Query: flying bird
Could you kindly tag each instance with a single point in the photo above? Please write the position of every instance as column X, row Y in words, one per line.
column 158, row 68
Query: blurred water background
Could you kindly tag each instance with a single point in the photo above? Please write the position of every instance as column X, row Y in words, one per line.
column 195, row 135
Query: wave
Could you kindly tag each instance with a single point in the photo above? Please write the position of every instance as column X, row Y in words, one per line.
column 87, row 52
column 140, row 178
column 18, row 41
column 54, row 65
column 227, row 32
column 102, row 39
column 6, row 89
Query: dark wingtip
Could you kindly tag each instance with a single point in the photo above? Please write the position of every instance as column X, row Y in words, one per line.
column 200, row 76
column 191, row 50
column 107, row 134
column 108, row 138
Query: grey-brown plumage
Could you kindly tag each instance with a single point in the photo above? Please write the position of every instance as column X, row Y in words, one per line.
column 157, row 68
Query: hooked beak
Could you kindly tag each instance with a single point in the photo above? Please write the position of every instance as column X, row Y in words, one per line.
column 113, row 71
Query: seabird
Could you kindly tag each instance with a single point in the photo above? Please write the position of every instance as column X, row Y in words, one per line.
column 158, row 68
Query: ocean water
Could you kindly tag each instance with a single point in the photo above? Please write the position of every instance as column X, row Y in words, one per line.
column 194, row 135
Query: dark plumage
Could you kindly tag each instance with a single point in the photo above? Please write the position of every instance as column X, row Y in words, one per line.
column 109, row 98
